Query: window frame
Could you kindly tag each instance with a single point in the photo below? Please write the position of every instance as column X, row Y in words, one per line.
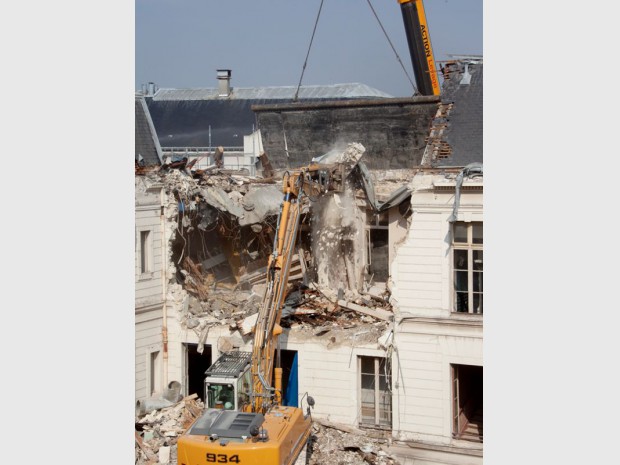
column 378, row 408
column 374, row 223
column 153, row 370
column 470, row 247
column 145, row 253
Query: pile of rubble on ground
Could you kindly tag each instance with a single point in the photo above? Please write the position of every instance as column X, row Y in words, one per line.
column 332, row 444
column 158, row 429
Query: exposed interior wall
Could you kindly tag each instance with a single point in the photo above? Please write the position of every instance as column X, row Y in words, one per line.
column 338, row 242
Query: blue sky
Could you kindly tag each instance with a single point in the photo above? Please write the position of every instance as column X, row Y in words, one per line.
column 181, row 43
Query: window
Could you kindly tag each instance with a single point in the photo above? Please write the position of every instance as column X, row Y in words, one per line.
column 375, row 395
column 221, row 396
column 378, row 246
column 145, row 251
column 467, row 402
column 467, row 266
column 154, row 373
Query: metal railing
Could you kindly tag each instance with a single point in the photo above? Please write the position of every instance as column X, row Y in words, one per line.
column 234, row 157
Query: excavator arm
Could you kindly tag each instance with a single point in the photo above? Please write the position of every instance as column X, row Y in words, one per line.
column 297, row 186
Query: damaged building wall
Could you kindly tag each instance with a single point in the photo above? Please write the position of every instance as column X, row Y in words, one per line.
column 421, row 270
column 338, row 241
column 394, row 132
column 432, row 340
column 149, row 288
column 333, row 337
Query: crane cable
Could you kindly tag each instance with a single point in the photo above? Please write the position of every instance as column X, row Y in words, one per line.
column 415, row 90
column 308, row 53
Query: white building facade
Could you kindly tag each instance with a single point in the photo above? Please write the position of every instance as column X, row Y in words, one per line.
column 437, row 364
column 150, row 290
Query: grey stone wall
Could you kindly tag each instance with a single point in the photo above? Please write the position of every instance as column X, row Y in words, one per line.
column 393, row 133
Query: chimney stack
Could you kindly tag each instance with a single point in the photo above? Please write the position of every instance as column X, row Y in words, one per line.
column 151, row 89
column 223, row 80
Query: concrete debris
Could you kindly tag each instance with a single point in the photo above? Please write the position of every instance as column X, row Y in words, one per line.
column 348, row 154
column 379, row 314
column 218, row 198
column 157, row 432
column 261, row 203
column 220, row 227
column 333, row 444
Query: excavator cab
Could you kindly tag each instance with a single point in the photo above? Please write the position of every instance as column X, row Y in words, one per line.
column 227, row 382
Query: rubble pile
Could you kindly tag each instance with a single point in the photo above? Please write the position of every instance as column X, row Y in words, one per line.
column 315, row 307
column 157, row 431
column 220, row 230
column 333, row 446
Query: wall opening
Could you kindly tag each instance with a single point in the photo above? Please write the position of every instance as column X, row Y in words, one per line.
column 378, row 239
column 290, row 382
column 145, row 251
column 467, row 402
column 375, row 397
column 195, row 366
column 154, row 373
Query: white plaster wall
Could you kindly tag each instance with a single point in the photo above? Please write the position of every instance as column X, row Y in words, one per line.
column 423, row 396
column 149, row 288
column 147, row 339
column 328, row 374
column 430, row 338
column 331, row 377
column 422, row 283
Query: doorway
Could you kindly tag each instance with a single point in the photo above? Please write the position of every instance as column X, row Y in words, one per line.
column 290, row 381
column 195, row 366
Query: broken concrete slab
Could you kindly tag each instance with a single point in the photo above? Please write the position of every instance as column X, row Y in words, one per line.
column 348, row 155
column 164, row 454
column 246, row 325
column 376, row 313
column 261, row 202
column 218, row 198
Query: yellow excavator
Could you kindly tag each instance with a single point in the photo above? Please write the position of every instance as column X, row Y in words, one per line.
column 244, row 421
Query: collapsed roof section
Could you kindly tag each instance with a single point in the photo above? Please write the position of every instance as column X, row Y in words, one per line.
column 455, row 138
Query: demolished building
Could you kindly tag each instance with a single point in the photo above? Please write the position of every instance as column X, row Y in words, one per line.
column 383, row 325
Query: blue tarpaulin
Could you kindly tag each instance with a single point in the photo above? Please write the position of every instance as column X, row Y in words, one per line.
column 292, row 388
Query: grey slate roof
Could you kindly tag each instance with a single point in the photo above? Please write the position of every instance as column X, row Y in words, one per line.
column 148, row 150
column 200, row 118
column 334, row 91
column 464, row 130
